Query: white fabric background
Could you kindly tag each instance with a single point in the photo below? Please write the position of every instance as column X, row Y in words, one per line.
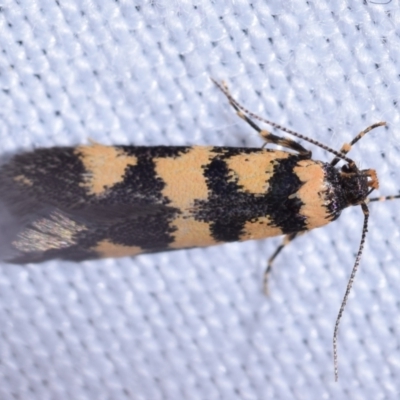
column 195, row 324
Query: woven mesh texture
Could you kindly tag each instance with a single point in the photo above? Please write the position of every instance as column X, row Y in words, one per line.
column 195, row 324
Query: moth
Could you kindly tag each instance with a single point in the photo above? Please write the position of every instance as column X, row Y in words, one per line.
column 95, row 201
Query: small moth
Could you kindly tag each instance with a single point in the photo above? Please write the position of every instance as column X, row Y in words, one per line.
column 95, row 201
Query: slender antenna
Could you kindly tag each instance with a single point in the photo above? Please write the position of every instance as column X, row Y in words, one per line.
column 338, row 154
column 347, row 146
column 348, row 289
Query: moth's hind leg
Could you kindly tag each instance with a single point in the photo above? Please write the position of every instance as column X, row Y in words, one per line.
column 267, row 136
column 286, row 240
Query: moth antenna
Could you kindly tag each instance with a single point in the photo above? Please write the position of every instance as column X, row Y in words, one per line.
column 347, row 146
column 234, row 103
column 348, row 289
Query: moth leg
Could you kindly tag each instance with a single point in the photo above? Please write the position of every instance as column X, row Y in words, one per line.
column 267, row 136
column 280, row 141
column 384, row 198
column 286, row 240
column 340, row 155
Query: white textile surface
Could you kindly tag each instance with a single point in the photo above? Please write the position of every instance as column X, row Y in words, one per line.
column 194, row 324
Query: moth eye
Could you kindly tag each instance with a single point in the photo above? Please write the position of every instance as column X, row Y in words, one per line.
column 346, row 168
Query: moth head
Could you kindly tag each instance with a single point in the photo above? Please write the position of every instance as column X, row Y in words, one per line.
column 357, row 184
